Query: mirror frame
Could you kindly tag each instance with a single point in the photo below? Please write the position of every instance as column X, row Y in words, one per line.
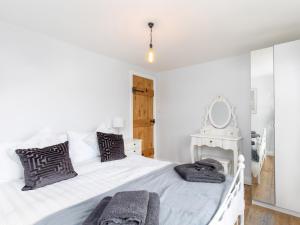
column 220, row 99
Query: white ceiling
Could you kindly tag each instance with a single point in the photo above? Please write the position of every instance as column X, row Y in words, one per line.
column 186, row 32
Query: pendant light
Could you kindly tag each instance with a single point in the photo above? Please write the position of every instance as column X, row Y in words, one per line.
column 150, row 55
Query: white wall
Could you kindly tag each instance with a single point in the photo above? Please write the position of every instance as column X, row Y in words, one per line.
column 262, row 80
column 45, row 82
column 185, row 93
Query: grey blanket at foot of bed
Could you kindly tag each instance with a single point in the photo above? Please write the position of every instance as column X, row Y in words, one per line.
column 181, row 202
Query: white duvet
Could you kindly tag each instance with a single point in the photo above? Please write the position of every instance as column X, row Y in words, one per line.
column 27, row 207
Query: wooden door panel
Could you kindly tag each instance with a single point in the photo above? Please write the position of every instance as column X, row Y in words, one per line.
column 142, row 123
column 138, row 81
column 143, row 113
column 138, row 133
column 140, row 104
column 149, row 141
column 150, row 109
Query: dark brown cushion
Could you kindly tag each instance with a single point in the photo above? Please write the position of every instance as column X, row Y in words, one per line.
column 111, row 146
column 44, row 166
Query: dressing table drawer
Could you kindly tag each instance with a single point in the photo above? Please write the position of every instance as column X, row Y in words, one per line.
column 211, row 142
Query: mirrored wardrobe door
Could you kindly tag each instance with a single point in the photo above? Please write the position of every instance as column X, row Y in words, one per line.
column 287, row 111
column 262, row 126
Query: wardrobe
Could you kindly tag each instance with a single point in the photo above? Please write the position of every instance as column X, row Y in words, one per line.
column 287, row 125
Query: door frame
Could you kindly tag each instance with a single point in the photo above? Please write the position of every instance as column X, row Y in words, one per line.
column 141, row 74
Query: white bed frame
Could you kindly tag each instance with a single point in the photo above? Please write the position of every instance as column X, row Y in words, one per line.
column 257, row 166
column 232, row 208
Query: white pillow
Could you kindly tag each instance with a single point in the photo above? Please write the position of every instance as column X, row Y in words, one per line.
column 82, row 146
column 93, row 141
column 11, row 167
column 45, row 137
column 105, row 129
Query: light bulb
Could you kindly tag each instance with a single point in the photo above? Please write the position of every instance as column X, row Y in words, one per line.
column 150, row 55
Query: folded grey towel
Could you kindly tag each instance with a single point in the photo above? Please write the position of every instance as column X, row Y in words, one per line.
column 209, row 164
column 126, row 208
column 93, row 218
column 254, row 135
column 152, row 217
column 189, row 173
column 153, row 209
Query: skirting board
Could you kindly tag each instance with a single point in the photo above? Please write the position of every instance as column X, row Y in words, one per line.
column 271, row 153
column 275, row 208
column 248, row 180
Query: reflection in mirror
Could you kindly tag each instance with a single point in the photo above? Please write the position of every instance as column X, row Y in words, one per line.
column 262, row 126
column 220, row 114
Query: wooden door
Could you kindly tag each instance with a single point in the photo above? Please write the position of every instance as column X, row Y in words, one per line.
column 143, row 121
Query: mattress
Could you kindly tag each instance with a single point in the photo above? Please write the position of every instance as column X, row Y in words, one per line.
column 26, row 208
column 181, row 202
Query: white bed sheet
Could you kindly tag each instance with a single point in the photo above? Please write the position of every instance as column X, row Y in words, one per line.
column 27, row 207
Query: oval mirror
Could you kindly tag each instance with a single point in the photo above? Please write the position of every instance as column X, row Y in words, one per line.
column 220, row 113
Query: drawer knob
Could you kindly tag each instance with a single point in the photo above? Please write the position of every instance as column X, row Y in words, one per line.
column 210, row 141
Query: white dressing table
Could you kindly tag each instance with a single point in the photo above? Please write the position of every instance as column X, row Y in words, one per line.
column 223, row 142
column 219, row 131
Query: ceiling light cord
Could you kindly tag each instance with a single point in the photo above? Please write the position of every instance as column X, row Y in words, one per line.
column 150, row 25
column 150, row 55
column 151, row 45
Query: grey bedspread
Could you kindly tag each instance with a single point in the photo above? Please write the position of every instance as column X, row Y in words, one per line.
column 93, row 218
column 181, row 202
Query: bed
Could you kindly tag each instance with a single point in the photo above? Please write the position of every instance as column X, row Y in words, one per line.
column 64, row 201
column 261, row 153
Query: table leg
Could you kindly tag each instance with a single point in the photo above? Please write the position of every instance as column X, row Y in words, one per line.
column 235, row 161
column 192, row 152
column 199, row 153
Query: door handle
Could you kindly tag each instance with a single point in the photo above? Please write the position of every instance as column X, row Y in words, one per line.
column 152, row 121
